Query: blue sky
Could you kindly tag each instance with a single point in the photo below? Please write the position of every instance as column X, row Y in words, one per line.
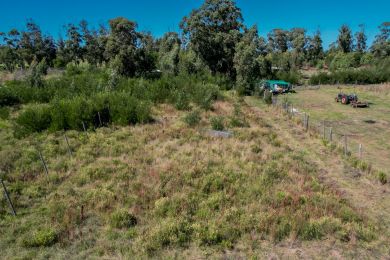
column 159, row 16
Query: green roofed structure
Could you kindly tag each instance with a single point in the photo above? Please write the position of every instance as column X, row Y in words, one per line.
column 275, row 86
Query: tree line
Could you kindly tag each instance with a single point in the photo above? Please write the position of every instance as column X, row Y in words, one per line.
column 212, row 37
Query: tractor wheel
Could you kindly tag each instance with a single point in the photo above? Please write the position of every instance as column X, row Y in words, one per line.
column 344, row 100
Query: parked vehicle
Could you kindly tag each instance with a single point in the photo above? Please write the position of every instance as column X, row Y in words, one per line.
column 350, row 99
column 276, row 86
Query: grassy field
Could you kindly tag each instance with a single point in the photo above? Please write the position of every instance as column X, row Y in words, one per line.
column 367, row 126
column 168, row 190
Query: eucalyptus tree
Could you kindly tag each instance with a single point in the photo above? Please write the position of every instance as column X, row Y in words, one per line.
column 213, row 31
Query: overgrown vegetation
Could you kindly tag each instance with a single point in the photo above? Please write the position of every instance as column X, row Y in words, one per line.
column 135, row 175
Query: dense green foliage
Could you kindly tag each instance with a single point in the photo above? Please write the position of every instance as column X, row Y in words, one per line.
column 210, row 41
column 379, row 73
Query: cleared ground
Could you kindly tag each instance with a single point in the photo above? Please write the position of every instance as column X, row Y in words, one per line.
column 367, row 126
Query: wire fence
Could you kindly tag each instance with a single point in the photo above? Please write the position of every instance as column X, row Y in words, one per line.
column 350, row 143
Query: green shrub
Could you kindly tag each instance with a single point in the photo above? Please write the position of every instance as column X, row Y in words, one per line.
column 238, row 118
column 292, row 77
column 4, row 113
column 382, row 177
column 182, row 101
column 217, row 123
column 97, row 110
column 169, row 232
column 192, row 118
column 311, row 230
column 8, row 97
column 44, row 237
column 205, row 94
column 267, row 97
column 282, row 228
column 35, row 118
column 122, row 219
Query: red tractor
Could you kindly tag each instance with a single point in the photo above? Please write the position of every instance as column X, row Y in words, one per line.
column 350, row 99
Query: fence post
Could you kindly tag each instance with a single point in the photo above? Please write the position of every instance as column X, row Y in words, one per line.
column 331, row 134
column 345, row 145
column 360, row 151
column 100, row 119
column 43, row 162
column 67, row 143
column 307, row 123
column 8, row 198
column 324, row 130
column 85, row 129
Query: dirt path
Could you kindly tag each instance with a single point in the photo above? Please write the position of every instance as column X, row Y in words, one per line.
column 368, row 196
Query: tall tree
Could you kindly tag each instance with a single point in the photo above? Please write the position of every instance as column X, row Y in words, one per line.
column 315, row 50
column 298, row 39
column 169, row 52
column 298, row 44
column 345, row 39
column 213, row 31
column 73, row 43
column 121, row 45
column 278, row 40
column 361, row 39
column 245, row 63
column 93, row 44
column 9, row 53
column 36, row 46
column 381, row 45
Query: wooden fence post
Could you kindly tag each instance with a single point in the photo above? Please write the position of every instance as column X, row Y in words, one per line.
column 345, row 145
column 8, row 198
column 100, row 119
column 324, row 130
column 360, row 151
column 331, row 134
column 307, row 123
column 67, row 143
column 85, row 129
column 43, row 162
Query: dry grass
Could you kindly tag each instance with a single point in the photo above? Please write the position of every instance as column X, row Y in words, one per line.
column 256, row 194
column 367, row 126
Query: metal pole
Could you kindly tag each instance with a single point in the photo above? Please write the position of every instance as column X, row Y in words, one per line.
column 8, row 198
column 67, row 142
column 43, row 162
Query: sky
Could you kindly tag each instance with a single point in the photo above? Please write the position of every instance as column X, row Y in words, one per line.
column 159, row 16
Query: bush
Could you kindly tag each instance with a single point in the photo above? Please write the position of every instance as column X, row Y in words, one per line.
column 382, row 177
column 170, row 232
column 98, row 110
column 182, row 101
column 351, row 76
column 7, row 97
column 205, row 94
column 292, row 77
column 238, row 118
column 192, row 118
column 44, row 237
column 122, row 219
column 267, row 97
column 311, row 231
column 217, row 123
column 4, row 113
column 36, row 118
